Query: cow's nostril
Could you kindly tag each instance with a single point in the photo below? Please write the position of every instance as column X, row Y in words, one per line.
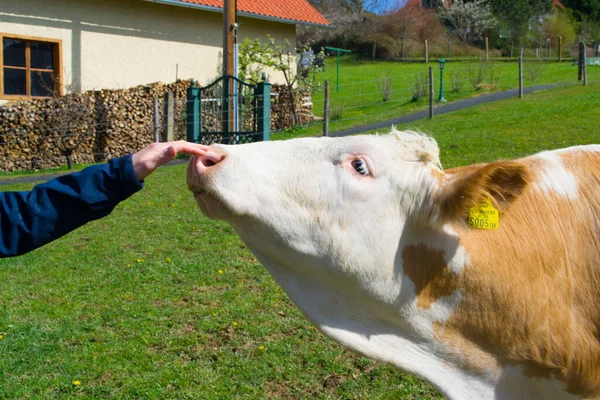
column 211, row 159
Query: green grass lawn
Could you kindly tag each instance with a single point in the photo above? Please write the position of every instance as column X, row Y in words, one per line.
column 359, row 100
column 156, row 301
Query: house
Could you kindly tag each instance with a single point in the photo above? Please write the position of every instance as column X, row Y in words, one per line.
column 114, row 44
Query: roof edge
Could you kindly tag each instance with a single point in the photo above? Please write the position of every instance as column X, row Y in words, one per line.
column 178, row 3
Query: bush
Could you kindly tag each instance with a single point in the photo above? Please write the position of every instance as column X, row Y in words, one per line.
column 421, row 87
column 336, row 112
column 477, row 73
column 457, row 80
column 386, row 86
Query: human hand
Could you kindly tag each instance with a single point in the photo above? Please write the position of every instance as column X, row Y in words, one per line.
column 153, row 156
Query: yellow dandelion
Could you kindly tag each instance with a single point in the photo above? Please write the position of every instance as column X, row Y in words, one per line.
column 234, row 323
column 220, row 271
column 1, row 337
column 140, row 260
column 76, row 383
column 214, row 314
column 128, row 265
column 261, row 347
column 168, row 259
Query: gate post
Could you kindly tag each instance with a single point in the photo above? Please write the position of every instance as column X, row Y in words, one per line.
column 262, row 93
column 193, row 114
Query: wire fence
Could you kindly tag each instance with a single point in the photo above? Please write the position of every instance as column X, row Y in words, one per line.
column 396, row 93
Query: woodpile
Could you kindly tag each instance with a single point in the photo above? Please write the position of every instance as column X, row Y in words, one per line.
column 95, row 126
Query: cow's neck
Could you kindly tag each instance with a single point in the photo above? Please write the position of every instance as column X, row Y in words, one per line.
column 361, row 324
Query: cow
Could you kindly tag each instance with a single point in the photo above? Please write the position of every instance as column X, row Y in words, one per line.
column 384, row 252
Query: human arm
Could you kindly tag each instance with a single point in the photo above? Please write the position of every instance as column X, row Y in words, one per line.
column 50, row 210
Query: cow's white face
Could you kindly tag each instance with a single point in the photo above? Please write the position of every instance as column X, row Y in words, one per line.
column 331, row 210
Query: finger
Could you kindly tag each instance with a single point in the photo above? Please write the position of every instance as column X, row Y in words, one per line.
column 190, row 148
column 165, row 156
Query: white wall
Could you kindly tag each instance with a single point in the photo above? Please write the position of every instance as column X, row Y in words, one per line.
column 122, row 43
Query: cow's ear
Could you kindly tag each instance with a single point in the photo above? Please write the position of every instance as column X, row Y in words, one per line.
column 501, row 182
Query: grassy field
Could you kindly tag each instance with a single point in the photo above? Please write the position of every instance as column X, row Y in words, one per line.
column 359, row 100
column 156, row 301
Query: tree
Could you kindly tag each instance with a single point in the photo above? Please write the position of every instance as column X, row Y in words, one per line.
column 514, row 16
column 589, row 30
column 295, row 63
column 469, row 20
column 561, row 24
column 588, row 9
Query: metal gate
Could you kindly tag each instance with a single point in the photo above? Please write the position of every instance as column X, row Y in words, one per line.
column 229, row 111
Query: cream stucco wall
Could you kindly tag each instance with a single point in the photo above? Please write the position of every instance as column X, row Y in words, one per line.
column 122, row 43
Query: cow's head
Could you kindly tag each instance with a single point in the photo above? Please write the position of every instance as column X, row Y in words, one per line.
column 334, row 220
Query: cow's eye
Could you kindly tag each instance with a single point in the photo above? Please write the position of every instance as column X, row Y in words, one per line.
column 360, row 166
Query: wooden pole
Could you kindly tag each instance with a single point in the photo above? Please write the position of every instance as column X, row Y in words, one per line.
column 168, row 118
column 229, row 29
column 156, row 125
column 229, row 20
column 487, row 49
column 521, row 77
column 431, row 94
column 581, row 73
column 426, row 53
column 560, row 45
column 326, row 111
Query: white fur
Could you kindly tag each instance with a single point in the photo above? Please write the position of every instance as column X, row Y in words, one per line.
column 554, row 177
column 334, row 240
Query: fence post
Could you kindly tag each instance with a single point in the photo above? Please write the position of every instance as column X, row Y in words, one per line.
column 487, row 49
column 193, row 111
column 560, row 47
column 156, row 121
column 431, row 94
column 581, row 71
column 263, row 97
column 521, row 77
column 374, row 49
column 426, row 53
column 326, row 111
column 168, row 117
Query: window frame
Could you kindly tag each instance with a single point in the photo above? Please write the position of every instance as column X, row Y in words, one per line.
column 57, row 47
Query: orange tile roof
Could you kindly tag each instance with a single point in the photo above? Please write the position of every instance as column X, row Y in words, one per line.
column 288, row 10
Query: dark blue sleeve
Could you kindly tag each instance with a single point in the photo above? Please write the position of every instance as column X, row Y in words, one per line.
column 50, row 210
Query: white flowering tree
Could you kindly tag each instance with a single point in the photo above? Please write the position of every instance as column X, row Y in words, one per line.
column 470, row 20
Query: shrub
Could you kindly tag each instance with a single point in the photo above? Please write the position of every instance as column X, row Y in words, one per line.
column 336, row 112
column 457, row 80
column 534, row 71
column 421, row 87
column 477, row 73
column 386, row 86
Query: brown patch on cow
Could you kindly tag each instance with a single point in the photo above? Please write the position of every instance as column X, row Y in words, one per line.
column 501, row 182
column 531, row 294
column 429, row 272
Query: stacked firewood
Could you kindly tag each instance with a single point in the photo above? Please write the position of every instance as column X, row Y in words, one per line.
column 98, row 125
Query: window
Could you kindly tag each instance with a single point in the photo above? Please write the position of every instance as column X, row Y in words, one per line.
column 30, row 67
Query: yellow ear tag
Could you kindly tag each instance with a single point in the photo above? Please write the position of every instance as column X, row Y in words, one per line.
column 484, row 216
